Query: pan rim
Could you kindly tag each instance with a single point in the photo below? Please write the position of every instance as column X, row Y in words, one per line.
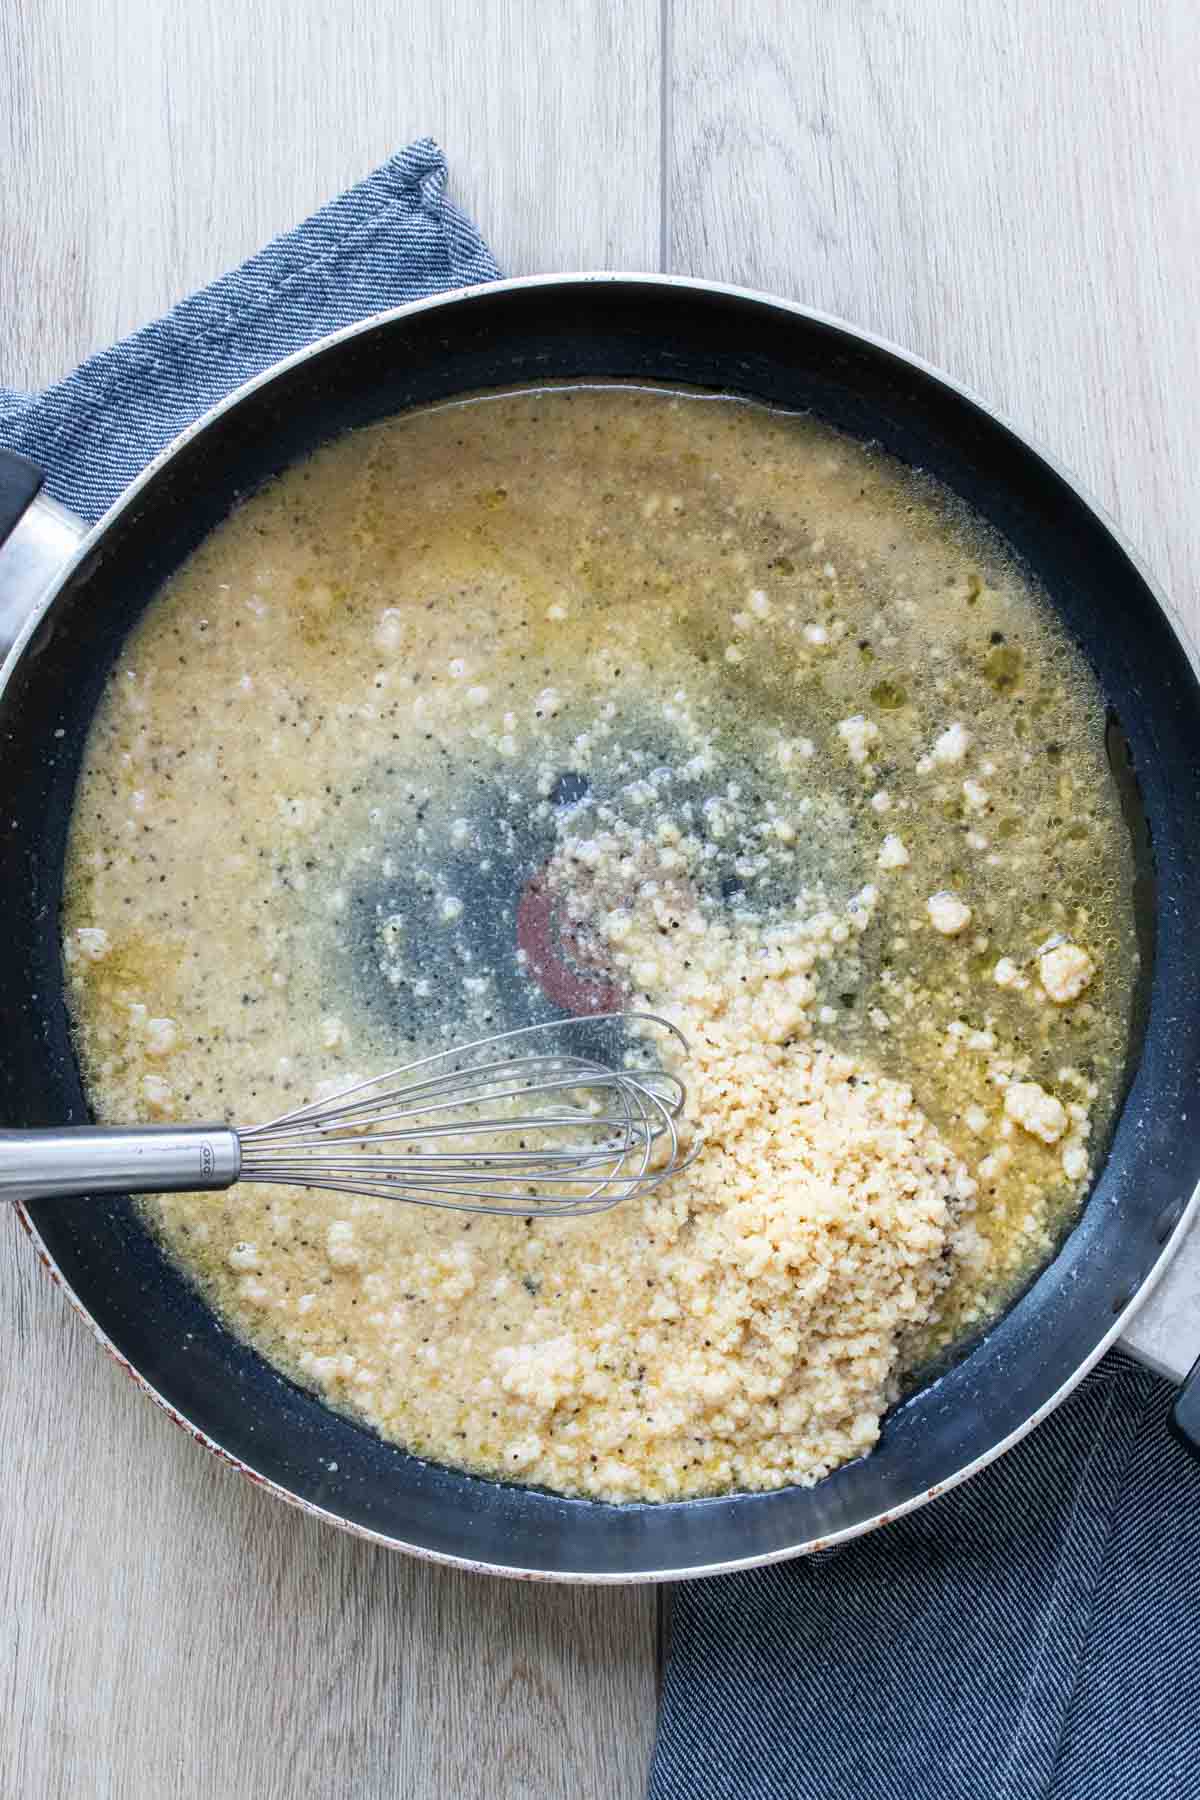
column 464, row 296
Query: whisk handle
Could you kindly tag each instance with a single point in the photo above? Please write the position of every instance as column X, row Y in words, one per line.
column 113, row 1159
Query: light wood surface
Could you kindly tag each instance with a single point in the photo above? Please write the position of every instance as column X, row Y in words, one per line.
column 1006, row 186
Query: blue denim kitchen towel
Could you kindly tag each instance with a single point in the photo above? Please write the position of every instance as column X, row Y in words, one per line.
column 1028, row 1635
column 394, row 237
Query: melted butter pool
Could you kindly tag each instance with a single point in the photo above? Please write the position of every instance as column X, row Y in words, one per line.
column 355, row 725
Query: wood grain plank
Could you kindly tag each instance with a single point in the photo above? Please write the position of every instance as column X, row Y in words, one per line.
column 164, row 1628
column 155, row 145
column 1008, row 189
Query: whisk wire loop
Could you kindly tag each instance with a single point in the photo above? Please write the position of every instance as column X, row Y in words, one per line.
column 438, row 1131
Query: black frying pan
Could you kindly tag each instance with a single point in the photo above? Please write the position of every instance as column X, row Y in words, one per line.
column 635, row 327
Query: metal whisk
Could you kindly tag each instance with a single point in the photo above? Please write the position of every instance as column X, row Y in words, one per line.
column 501, row 1125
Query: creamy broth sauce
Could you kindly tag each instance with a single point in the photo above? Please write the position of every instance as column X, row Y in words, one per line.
column 787, row 747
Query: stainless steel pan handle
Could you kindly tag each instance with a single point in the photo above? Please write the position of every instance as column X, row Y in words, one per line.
column 38, row 537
